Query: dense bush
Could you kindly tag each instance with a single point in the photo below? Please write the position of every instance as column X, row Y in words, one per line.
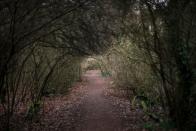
column 129, row 70
column 42, row 46
column 158, row 59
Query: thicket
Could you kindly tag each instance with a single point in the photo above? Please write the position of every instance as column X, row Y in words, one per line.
column 150, row 48
column 154, row 57
column 43, row 43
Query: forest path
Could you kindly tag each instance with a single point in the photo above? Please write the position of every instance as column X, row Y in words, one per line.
column 91, row 105
column 97, row 112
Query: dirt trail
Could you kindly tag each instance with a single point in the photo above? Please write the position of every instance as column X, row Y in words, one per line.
column 98, row 109
column 91, row 105
column 98, row 113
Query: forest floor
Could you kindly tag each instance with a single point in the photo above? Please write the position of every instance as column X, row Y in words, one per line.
column 91, row 105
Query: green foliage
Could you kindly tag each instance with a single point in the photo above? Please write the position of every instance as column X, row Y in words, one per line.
column 93, row 66
column 149, row 126
column 167, row 125
column 33, row 110
column 130, row 70
column 64, row 77
column 163, row 126
column 105, row 73
column 90, row 64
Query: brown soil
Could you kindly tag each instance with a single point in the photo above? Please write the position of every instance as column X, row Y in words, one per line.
column 98, row 113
